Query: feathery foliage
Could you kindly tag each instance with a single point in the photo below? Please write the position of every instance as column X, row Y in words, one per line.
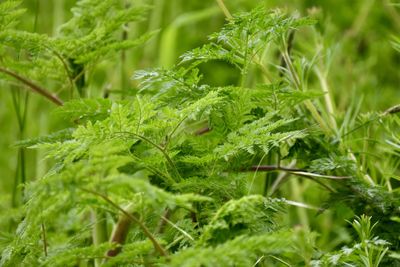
column 185, row 172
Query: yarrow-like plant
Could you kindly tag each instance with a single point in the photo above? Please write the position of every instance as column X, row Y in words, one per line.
column 161, row 177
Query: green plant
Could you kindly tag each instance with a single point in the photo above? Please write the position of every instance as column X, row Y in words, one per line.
column 184, row 172
column 368, row 252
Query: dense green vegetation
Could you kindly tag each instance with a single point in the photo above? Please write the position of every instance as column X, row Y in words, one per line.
column 199, row 133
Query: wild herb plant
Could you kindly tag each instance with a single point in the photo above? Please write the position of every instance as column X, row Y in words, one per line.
column 368, row 252
column 182, row 172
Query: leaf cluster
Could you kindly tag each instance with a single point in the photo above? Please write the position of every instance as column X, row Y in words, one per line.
column 165, row 172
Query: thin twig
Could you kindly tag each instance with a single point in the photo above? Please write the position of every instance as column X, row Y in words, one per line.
column 65, row 65
column 300, row 172
column 327, row 187
column 391, row 110
column 316, row 175
column 333, row 127
column 328, row 99
column 146, row 231
column 296, row 81
column 224, row 9
column 289, row 47
column 169, row 136
column 300, row 204
column 163, row 222
column 178, row 228
column 267, row 168
column 44, row 239
column 160, row 148
column 124, row 37
column 34, row 87
column 280, row 179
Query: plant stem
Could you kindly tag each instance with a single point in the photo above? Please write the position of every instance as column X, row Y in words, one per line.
column 202, row 131
column 267, row 168
column 160, row 148
column 44, row 239
column 279, row 180
column 314, row 112
column 20, row 174
column 124, row 37
column 146, row 231
column 35, row 22
column 35, row 88
column 186, row 234
column 67, row 71
column 296, row 81
column 298, row 172
column 255, row 59
column 333, row 126
column 302, row 172
column 224, row 9
column 119, row 234
column 328, row 99
column 99, row 231
column 163, row 222
column 297, row 193
column 169, row 136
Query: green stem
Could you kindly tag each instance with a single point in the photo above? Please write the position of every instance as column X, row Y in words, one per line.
column 124, row 37
column 44, row 239
column 297, row 192
column 161, row 149
column 298, row 172
column 99, row 233
column 309, row 105
column 169, row 137
column 296, row 81
column 66, row 68
column 328, row 99
column 245, row 64
column 20, row 174
column 224, row 9
column 333, row 126
column 35, row 23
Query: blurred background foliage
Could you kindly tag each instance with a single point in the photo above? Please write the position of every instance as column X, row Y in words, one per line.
column 352, row 41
